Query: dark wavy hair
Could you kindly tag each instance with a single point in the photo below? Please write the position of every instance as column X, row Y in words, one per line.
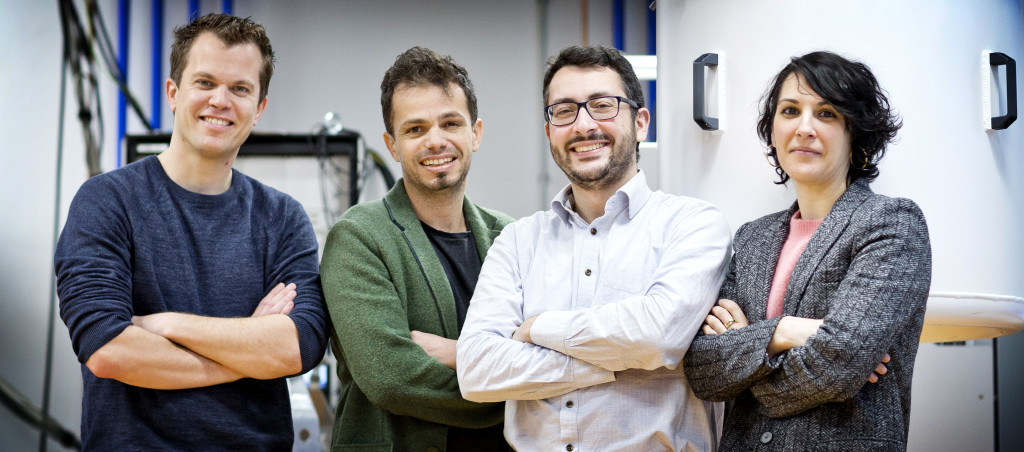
column 230, row 30
column 852, row 89
column 598, row 56
column 418, row 67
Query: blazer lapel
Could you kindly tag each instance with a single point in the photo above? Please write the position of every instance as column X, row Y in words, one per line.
column 485, row 229
column 833, row 226
column 434, row 277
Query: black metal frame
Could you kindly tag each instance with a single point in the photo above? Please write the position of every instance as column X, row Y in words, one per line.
column 345, row 143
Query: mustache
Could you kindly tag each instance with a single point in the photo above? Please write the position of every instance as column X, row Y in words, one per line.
column 592, row 137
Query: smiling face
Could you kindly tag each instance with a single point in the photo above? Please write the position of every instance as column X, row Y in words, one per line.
column 217, row 103
column 594, row 155
column 810, row 136
column 434, row 138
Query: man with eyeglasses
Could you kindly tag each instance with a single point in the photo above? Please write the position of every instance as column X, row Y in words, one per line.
column 582, row 313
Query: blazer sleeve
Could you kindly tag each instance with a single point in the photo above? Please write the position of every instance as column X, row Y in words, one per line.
column 720, row 367
column 372, row 329
column 881, row 298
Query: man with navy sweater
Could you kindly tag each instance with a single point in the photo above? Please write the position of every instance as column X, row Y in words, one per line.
column 191, row 290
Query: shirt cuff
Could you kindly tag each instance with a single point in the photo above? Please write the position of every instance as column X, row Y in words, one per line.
column 550, row 329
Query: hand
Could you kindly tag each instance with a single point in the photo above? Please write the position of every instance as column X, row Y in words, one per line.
column 792, row 332
column 880, row 369
column 151, row 322
column 727, row 315
column 443, row 349
column 522, row 333
column 278, row 301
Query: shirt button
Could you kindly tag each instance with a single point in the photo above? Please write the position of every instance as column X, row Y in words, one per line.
column 568, row 447
column 568, row 404
column 593, row 231
column 587, row 272
column 766, row 437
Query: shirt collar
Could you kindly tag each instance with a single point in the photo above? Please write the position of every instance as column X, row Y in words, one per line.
column 633, row 195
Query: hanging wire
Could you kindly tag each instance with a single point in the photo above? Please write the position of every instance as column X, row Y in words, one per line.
column 51, row 318
column 98, row 33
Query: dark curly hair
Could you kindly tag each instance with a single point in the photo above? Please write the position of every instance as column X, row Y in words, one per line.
column 230, row 30
column 852, row 89
column 420, row 67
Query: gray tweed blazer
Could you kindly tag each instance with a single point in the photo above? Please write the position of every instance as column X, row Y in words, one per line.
column 866, row 272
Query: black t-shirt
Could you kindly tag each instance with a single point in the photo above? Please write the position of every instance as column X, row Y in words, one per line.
column 461, row 262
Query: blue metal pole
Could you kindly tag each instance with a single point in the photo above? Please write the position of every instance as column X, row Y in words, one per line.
column 193, row 10
column 123, row 21
column 226, row 7
column 619, row 24
column 157, row 60
column 652, row 49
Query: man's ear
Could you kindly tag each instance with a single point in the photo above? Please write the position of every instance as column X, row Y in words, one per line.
column 259, row 111
column 389, row 141
column 478, row 133
column 171, row 91
column 642, row 123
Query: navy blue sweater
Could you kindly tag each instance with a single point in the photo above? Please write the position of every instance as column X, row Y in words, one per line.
column 136, row 243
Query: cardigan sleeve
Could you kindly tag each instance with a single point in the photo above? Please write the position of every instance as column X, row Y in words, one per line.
column 881, row 297
column 372, row 332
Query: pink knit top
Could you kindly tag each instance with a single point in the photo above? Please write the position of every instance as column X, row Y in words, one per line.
column 800, row 232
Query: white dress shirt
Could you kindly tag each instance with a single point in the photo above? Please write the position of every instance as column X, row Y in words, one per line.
column 619, row 301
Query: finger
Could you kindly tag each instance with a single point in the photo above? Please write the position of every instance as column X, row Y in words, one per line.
column 735, row 311
column 288, row 308
column 886, row 358
column 707, row 330
column 723, row 315
column 873, row 378
column 715, row 323
column 275, row 290
column 881, row 369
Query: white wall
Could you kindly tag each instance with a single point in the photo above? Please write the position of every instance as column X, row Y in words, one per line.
column 969, row 183
column 332, row 55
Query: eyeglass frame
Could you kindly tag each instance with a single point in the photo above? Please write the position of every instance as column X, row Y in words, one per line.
column 583, row 105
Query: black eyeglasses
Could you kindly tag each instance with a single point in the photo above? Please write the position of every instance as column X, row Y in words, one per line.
column 599, row 108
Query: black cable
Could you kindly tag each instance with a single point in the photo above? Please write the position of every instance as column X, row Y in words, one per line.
column 22, row 407
column 382, row 168
column 48, row 370
column 323, row 177
column 78, row 57
column 107, row 53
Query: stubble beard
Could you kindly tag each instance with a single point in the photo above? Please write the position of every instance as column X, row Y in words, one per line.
column 446, row 185
column 616, row 169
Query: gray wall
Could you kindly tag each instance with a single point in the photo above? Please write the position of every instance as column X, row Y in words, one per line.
column 332, row 55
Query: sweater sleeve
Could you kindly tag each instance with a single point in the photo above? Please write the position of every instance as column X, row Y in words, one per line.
column 371, row 324
column 92, row 263
column 294, row 260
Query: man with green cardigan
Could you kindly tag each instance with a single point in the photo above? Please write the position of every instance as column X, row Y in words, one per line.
column 398, row 274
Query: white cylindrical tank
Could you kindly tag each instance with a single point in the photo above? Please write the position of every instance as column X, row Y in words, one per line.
column 928, row 56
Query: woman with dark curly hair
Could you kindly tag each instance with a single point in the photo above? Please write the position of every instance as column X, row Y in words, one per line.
column 819, row 318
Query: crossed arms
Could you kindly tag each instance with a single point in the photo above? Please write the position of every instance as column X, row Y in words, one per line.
column 522, row 342
column 171, row 350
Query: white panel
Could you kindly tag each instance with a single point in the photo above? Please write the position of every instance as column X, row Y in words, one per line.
column 969, row 183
